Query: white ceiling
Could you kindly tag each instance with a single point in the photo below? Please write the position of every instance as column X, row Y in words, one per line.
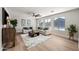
column 43, row 11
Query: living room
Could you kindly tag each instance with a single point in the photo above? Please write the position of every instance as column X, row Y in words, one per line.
column 41, row 24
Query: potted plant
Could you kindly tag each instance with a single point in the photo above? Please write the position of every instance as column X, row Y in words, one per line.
column 14, row 23
column 72, row 30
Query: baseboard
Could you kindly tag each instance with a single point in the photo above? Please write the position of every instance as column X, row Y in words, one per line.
column 66, row 37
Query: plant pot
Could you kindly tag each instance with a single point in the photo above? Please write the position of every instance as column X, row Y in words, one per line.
column 71, row 34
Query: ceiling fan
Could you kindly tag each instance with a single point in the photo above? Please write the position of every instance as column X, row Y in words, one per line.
column 36, row 15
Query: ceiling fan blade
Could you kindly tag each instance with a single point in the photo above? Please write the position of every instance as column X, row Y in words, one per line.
column 36, row 15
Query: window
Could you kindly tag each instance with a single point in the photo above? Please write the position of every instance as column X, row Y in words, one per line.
column 44, row 23
column 23, row 22
column 47, row 23
column 59, row 23
column 28, row 22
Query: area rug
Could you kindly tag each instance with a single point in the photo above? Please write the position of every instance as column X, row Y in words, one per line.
column 33, row 41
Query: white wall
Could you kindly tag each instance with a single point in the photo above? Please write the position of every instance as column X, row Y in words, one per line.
column 19, row 16
column 0, row 28
column 71, row 17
